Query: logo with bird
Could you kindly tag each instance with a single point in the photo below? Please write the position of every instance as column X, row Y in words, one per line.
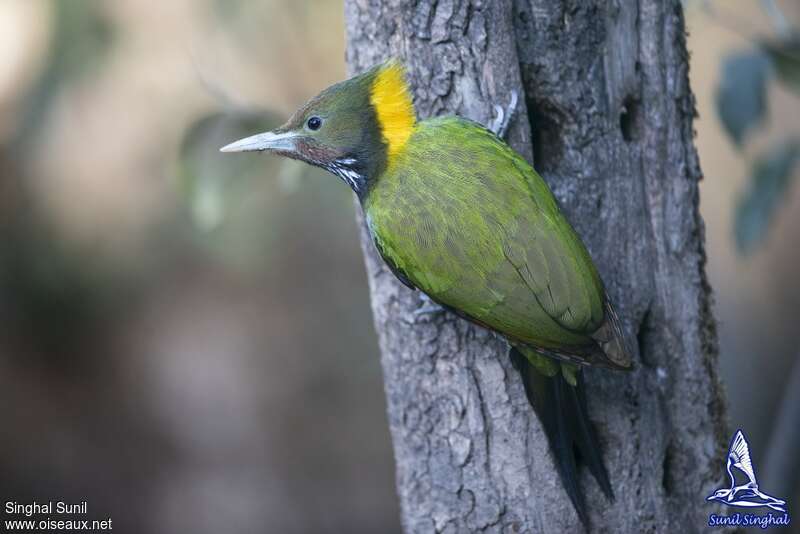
column 747, row 494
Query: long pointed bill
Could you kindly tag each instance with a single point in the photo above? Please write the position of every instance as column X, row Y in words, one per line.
column 264, row 141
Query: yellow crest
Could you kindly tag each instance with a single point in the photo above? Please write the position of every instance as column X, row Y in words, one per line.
column 391, row 99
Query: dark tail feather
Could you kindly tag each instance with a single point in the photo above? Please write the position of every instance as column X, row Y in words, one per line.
column 586, row 439
column 562, row 410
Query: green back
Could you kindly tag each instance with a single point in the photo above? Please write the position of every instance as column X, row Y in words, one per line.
column 469, row 222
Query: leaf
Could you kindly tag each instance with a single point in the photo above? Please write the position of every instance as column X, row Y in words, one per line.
column 769, row 180
column 212, row 182
column 740, row 97
column 785, row 56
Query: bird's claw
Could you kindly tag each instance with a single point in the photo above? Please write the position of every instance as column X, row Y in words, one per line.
column 428, row 308
column 503, row 117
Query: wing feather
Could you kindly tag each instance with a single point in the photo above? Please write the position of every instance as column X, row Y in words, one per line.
column 740, row 454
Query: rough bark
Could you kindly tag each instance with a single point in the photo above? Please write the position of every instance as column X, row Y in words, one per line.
column 607, row 112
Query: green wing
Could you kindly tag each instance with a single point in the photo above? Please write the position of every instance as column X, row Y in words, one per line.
column 470, row 223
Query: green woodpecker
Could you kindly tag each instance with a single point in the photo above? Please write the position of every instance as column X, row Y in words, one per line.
column 459, row 215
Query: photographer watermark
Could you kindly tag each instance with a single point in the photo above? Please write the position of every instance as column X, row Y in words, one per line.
column 744, row 492
column 58, row 516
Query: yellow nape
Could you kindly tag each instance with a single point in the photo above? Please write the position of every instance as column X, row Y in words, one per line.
column 391, row 99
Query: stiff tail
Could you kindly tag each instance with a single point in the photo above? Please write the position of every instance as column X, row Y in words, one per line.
column 562, row 410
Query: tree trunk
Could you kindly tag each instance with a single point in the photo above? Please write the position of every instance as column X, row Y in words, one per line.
column 607, row 112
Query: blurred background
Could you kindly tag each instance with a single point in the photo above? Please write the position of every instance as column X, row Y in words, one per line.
column 185, row 338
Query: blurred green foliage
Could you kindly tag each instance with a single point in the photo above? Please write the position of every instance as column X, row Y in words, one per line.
column 785, row 56
column 82, row 39
column 770, row 178
column 743, row 106
column 741, row 95
column 212, row 183
column 53, row 291
column 237, row 204
column 228, row 10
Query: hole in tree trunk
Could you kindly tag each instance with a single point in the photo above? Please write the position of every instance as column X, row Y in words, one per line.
column 629, row 119
column 545, row 120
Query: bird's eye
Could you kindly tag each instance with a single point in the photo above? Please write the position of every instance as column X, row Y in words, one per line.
column 314, row 123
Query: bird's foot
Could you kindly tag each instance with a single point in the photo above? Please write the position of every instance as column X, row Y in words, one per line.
column 428, row 307
column 503, row 116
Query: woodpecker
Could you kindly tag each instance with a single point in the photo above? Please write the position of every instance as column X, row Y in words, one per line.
column 459, row 215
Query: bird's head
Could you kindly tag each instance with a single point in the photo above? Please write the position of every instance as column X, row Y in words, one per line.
column 352, row 129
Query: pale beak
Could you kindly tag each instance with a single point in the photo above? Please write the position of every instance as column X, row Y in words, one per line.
column 284, row 142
